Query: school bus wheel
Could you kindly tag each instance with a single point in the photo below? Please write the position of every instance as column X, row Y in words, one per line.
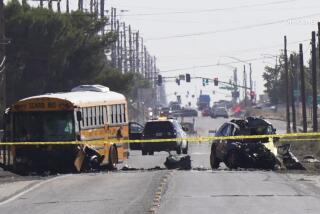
column 113, row 157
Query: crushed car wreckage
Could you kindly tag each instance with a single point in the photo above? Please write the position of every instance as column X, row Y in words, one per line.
column 259, row 153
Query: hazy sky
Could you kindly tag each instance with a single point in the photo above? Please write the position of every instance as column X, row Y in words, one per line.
column 215, row 30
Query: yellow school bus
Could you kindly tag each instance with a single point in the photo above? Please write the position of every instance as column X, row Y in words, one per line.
column 89, row 113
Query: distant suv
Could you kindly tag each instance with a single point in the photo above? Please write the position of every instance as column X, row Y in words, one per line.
column 164, row 129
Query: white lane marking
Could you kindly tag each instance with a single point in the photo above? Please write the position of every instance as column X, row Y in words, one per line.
column 14, row 197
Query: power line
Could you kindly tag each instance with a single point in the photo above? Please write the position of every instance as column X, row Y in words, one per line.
column 214, row 65
column 241, row 50
column 235, row 28
column 211, row 10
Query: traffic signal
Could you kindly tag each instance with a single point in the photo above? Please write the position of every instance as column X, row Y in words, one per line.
column 188, row 78
column 178, row 81
column 207, row 81
column 204, row 82
column 159, row 80
column 216, row 81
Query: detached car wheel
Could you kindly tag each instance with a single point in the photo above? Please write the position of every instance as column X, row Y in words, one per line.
column 233, row 160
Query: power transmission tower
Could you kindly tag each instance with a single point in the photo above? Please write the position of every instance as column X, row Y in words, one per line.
column 303, row 94
column 287, row 84
column 314, row 83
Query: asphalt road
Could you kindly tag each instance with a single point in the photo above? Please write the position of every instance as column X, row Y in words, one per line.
column 200, row 190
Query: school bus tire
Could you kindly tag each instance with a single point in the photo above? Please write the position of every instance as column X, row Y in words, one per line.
column 113, row 158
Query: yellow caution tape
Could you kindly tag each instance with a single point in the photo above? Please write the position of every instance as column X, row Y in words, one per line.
column 291, row 136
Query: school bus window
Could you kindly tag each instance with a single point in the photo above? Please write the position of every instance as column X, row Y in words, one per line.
column 89, row 117
column 105, row 113
column 119, row 114
column 99, row 115
column 123, row 111
column 82, row 113
column 86, row 117
column 95, row 113
column 109, row 111
column 114, row 114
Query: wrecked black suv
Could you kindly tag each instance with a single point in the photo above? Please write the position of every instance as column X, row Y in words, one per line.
column 244, row 153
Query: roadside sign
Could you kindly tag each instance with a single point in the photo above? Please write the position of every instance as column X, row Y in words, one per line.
column 296, row 93
column 309, row 100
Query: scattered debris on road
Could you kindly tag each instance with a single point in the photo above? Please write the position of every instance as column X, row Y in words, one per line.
column 178, row 162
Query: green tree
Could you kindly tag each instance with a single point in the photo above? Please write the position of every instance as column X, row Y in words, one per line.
column 52, row 52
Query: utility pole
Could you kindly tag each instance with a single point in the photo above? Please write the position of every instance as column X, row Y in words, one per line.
column 114, row 44
column 154, row 71
column 130, row 50
column 134, row 59
column 91, row 6
column 137, row 53
column 80, row 5
column 235, row 81
column 146, row 63
column 251, row 97
column 293, row 105
column 142, row 67
column 3, row 78
column 118, row 45
column 67, row 6
column 314, row 83
column 245, row 85
column 50, row 4
column 125, row 48
column 303, row 94
column 287, row 85
column 102, row 8
column 58, row 6
column 120, row 58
